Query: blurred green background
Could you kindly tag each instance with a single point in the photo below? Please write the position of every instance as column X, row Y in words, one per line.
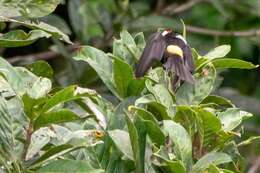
column 209, row 23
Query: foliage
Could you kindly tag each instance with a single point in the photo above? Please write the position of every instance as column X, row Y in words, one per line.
column 143, row 127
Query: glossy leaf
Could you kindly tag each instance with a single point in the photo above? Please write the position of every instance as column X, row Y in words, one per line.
column 18, row 38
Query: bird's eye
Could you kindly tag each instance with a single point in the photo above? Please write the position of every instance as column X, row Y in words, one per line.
column 175, row 50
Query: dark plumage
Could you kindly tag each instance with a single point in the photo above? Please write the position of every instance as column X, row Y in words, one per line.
column 173, row 51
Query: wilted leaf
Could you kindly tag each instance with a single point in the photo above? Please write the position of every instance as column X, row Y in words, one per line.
column 19, row 38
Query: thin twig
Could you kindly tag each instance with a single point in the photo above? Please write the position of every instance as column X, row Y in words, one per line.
column 204, row 31
column 255, row 167
column 47, row 55
column 172, row 9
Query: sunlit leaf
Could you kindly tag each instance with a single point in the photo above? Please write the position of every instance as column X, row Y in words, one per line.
column 181, row 140
column 232, row 118
column 218, row 52
column 215, row 158
column 122, row 141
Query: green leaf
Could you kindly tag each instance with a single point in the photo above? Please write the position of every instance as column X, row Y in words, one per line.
column 135, row 87
column 181, row 140
column 27, row 8
column 55, row 117
column 67, row 94
column 232, row 117
column 153, row 129
column 161, row 93
column 55, row 32
column 218, row 100
column 25, row 82
column 186, row 116
column 209, row 126
column 126, row 48
column 7, row 123
column 101, row 63
column 215, row 158
column 39, row 139
column 122, row 75
column 18, row 38
column 122, row 141
column 41, row 68
column 194, row 94
column 53, row 153
column 135, row 143
column 218, row 52
column 222, row 63
column 67, row 166
column 173, row 167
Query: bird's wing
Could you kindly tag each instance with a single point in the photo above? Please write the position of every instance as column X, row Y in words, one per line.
column 153, row 50
column 188, row 59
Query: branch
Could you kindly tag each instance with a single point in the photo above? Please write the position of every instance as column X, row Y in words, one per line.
column 255, row 167
column 203, row 31
column 172, row 9
column 47, row 55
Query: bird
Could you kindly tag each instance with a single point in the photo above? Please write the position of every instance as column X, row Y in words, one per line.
column 173, row 51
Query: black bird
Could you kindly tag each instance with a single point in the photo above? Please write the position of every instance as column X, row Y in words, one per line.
column 173, row 51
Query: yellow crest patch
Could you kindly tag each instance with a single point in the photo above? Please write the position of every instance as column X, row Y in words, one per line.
column 173, row 49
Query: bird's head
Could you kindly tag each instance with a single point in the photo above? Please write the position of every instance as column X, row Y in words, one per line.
column 167, row 31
